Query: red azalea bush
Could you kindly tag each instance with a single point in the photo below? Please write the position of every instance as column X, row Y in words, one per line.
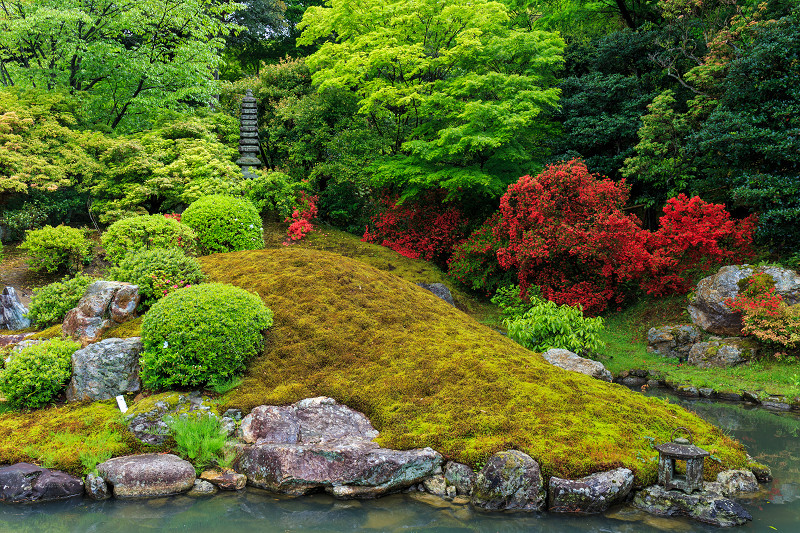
column 565, row 232
column 693, row 236
column 302, row 217
column 425, row 228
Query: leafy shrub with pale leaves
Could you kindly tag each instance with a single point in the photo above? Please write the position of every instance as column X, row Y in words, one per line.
column 35, row 375
column 541, row 324
column 146, row 232
column 201, row 335
column 50, row 304
column 52, row 248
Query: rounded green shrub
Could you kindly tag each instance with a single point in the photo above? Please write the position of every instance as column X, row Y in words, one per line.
column 146, row 232
column 50, row 304
column 201, row 335
column 225, row 224
column 158, row 272
column 37, row 373
column 52, row 248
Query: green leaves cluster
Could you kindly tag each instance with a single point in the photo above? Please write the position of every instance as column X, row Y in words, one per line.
column 199, row 437
column 540, row 324
column 224, row 224
column 201, row 335
column 52, row 248
column 145, row 232
column 143, row 267
column 50, row 304
column 37, row 373
column 457, row 94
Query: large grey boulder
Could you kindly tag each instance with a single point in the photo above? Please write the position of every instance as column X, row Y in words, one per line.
column 707, row 506
column 510, row 481
column 145, row 418
column 148, row 475
column 707, row 304
column 722, row 353
column 105, row 369
column 104, row 304
column 12, row 312
column 590, row 494
column 27, row 483
column 574, row 363
column 318, row 444
column 672, row 341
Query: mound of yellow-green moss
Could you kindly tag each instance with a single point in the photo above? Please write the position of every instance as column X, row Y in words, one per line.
column 426, row 374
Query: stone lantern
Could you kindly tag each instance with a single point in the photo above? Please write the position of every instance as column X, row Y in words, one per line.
column 249, row 144
column 681, row 449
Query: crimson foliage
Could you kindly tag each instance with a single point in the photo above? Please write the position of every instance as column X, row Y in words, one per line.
column 565, row 231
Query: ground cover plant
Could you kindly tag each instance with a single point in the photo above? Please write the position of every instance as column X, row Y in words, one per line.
column 362, row 336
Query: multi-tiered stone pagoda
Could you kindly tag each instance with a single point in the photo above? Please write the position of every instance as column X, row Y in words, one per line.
column 249, row 145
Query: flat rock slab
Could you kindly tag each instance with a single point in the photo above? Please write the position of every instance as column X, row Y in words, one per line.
column 590, row 494
column 27, row 483
column 510, row 481
column 105, row 369
column 573, row 362
column 317, row 444
column 707, row 507
column 147, row 476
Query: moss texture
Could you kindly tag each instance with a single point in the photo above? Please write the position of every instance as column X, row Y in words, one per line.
column 426, row 374
column 65, row 437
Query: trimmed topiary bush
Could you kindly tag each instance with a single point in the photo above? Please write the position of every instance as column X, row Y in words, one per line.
column 158, row 272
column 50, row 304
column 146, row 232
column 201, row 335
column 37, row 373
column 52, row 248
column 224, row 224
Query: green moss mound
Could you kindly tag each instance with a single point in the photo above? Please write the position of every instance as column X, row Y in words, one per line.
column 428, row 375
column 68, row 437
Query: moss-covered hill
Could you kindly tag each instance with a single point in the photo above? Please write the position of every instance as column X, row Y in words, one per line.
column 428, row 375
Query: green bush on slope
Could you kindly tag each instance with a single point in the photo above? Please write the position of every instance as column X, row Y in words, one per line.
column 427, row 375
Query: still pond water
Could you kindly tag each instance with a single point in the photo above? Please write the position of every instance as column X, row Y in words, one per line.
column 771, row 438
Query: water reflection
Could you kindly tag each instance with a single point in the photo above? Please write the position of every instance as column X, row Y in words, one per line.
column 771, row 438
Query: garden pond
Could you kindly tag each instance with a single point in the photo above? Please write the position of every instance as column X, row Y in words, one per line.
column 771, row 438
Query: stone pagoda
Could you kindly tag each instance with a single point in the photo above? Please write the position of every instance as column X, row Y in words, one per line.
column 249, row 145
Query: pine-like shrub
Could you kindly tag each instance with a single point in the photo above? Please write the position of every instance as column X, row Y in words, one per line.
column 201, row 335
column 50, row 304
column 37, row 373
column 158, row 272
column 52, row 248
column 224, row 224
column 199, row 438
column 146, row 232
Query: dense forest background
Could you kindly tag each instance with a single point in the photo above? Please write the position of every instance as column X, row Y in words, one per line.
column 405, row 117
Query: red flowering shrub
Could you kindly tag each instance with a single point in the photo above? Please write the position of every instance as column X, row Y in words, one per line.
column 565, row 232
column 174, row 216
column 301, row 218
column 693, row 236
column 424, row 228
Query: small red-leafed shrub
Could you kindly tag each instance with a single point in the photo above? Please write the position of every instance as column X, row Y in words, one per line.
column 301, row 219
column 426, row 228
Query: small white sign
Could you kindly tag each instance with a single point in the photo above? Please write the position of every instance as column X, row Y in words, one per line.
column 121, row 402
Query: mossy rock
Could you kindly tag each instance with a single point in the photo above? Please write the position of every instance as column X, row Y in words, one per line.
column 426, row 374
column 145, row 418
